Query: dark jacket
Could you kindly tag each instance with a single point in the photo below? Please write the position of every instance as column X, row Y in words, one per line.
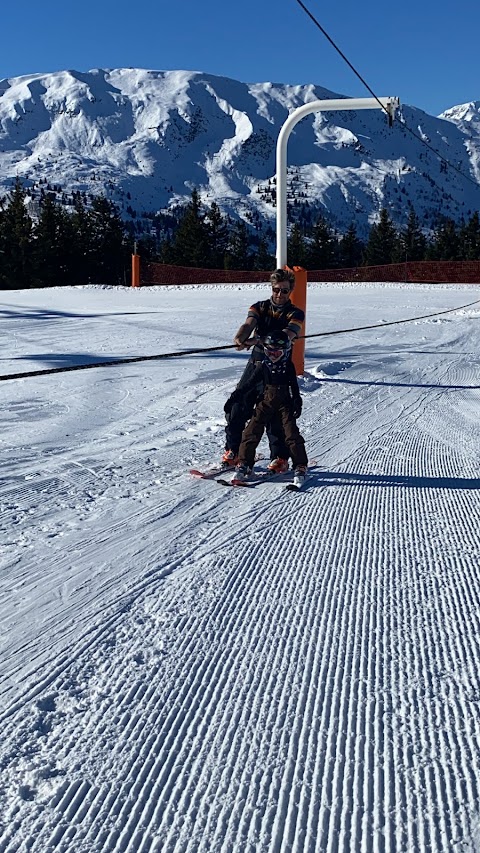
column 280, row 377
column 269, row 318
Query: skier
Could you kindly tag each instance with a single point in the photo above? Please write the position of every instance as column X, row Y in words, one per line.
column 268, row 316
column 281, row 398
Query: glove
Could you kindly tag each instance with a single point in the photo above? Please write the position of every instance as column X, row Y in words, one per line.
column 297, row 407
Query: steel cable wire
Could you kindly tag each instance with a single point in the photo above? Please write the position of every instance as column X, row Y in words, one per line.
column 53, row 370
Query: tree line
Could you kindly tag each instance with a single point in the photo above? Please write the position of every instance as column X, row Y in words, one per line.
column 205, row 238
column 90, row 242
column 86, row 244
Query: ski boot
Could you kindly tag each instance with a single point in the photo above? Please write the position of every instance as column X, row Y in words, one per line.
column 241, row 474
column 278, row 466
column 229, row 459
column 299, row 476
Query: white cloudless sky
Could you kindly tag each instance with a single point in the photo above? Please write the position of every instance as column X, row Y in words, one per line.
column 425, row 53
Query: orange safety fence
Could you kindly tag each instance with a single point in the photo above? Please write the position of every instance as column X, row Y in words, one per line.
column 432, row 272
column 151, row 273
column 435, row 272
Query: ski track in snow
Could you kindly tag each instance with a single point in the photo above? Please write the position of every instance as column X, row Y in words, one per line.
column 191, row 668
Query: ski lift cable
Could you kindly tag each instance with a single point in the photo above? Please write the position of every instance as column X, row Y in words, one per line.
column 111, row 363
column 369, row 89
column 437, row 153
column 352, row 67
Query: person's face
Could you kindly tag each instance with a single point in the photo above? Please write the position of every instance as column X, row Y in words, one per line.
column 281, row 293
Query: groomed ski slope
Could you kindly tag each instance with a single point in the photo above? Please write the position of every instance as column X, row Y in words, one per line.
column 187, row 668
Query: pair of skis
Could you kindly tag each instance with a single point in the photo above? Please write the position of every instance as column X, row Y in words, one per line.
column 214, row 473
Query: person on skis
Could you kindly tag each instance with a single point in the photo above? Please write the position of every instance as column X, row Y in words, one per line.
column 280, row 398
column 276, row 314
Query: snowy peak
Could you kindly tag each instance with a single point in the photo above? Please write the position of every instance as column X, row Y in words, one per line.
column 463, row 112
column 467, row 118
column 146, row 138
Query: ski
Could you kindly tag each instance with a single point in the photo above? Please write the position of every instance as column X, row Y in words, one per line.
column 211, row 473
column 297, row 486
column 215, row 470
column 236, row 483
column 258, row 478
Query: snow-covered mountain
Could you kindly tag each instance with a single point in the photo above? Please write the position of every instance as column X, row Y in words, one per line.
column 146, row 138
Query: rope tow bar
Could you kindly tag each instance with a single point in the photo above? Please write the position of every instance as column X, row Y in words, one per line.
column 52, row 370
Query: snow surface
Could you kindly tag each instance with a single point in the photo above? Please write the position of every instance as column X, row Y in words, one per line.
column 186, row 667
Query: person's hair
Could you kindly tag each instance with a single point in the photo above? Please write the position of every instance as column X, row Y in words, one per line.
column 283, row 275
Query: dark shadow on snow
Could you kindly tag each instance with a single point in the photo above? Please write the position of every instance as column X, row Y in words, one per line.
column 341, row 478
column 318, row 477
column 74, row 359
column 24, row 313
column 71, row 359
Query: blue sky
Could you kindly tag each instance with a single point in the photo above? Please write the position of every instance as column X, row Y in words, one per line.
column 424, row 51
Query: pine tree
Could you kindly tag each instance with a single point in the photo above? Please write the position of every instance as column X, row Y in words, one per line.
column 3, row 241
column 350, row 248
column 296, row 247
column 217, row 236
column 147, row 248
column 83, row 248
column 238, row 255
column 166, row 252
column 263, row 258
column 109, row 252
column 16, row 268
column 321, row 251
column 190, row 245
column 412, row 241
column 53, row 254
column 470, row 239
column 382, row 242
column 445, row 245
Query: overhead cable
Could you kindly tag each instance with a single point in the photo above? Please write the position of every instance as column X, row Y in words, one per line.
column 51, row 370
column 357, row 73
column 369, row 89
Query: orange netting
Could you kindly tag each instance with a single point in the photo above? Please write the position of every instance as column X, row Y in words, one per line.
column 435, row 272
column 168, row 274
column 454, row 272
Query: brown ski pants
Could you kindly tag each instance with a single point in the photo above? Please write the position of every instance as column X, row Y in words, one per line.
column 276, row 401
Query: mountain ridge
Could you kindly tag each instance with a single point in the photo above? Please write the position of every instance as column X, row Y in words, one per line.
column 146, row 138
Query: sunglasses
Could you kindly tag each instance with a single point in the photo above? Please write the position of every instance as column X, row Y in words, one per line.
column 281, row 289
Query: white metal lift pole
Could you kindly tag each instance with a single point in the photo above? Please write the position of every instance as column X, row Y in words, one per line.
column 388, row 104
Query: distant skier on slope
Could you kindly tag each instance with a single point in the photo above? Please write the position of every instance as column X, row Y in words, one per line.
column 281, row 398
column 268, row 316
